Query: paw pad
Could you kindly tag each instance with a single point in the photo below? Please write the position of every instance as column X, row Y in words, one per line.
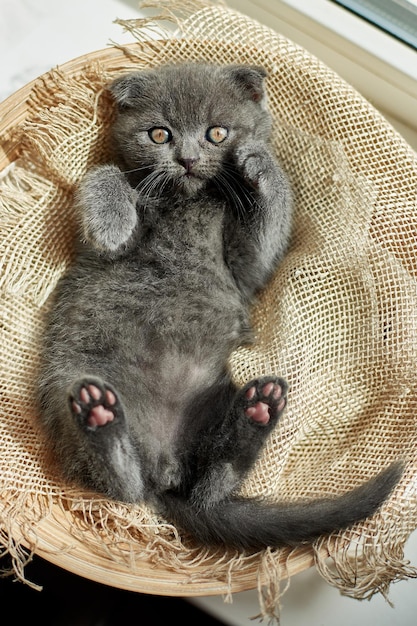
column 265, row 399
column 95, row 404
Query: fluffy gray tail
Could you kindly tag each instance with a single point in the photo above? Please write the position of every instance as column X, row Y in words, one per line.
column 249, row 523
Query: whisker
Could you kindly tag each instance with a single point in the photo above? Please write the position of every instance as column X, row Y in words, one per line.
column 228, row 181
column 148, row 185
column 153, row 185
column 224, row 185
column 165, row 179
column 147, row 180
column 137, row 169
column 238, row 194
column 244, row 191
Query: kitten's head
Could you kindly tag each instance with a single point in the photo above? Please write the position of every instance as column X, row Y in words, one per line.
column 178, row 127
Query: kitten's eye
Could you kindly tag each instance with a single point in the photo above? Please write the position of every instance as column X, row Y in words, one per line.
column 160, row 135
column 216, row 134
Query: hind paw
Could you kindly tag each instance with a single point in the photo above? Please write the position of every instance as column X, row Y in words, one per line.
column 94, row 404
column 265, row 399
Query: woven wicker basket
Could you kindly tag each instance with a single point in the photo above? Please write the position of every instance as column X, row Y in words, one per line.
column 339, row 321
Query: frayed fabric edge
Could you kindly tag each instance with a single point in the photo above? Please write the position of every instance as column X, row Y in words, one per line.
column 360, row 570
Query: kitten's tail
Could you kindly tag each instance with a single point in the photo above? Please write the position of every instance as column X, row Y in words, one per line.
column 251, row 524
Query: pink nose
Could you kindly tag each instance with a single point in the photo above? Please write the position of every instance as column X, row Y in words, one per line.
column 188, row 164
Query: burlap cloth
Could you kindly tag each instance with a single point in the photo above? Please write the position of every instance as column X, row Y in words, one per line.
column 339, row 321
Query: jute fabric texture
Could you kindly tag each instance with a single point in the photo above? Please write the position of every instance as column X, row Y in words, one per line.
column 338, row 321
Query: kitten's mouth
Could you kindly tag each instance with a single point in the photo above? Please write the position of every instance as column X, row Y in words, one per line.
column 190, row 176
column 190, row 183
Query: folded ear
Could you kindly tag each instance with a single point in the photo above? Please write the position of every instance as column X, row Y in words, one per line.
column 250, row 78
column 127, row 89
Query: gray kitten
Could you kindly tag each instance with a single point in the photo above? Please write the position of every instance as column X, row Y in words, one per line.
column 135, row 392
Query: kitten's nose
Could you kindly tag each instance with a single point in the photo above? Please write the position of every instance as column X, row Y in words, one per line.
column 188, row 164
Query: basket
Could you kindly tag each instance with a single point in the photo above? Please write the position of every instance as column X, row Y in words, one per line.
column 339, row 320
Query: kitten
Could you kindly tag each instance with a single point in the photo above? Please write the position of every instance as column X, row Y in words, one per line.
column 177, row 240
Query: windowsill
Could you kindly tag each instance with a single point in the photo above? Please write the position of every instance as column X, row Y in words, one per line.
column 380, row 67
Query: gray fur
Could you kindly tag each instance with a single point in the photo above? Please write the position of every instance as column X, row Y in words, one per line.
column 176, row 241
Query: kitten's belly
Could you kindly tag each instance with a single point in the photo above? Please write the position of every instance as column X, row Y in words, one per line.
column 188, row 308
column 210, row 320
column 113, row 316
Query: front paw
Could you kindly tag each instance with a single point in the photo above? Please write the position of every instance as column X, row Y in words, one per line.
column 254, row 162
column 107, row 206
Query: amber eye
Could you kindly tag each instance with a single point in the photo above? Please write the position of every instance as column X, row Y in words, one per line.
column 160, row 135
column 216, row 134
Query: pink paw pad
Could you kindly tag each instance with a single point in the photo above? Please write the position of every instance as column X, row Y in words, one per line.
column 270, row 396
column 258, row 413
column 99, row 413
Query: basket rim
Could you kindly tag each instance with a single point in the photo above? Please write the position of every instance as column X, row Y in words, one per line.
column 59, row 546
column 15, row 109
